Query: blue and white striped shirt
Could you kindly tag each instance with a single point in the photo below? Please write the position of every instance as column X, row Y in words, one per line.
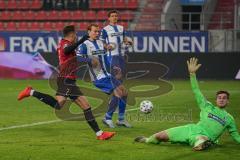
column 114, row 34
column 94, row 49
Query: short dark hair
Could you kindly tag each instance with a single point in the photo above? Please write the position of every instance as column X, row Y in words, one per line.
column 92, row 25
column 68, row 29
column 112, row 11
column 223, row 92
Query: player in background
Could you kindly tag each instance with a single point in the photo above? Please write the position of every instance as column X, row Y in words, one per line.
column 214, row 120
column 115, row 41
column 93, row 48
column 66, row 82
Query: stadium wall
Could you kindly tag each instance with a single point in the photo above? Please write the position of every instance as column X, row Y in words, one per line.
column 167, row 52
column 173, row 66
column 214, row 65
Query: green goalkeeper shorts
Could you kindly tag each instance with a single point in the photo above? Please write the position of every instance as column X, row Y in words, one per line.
column 185, row 134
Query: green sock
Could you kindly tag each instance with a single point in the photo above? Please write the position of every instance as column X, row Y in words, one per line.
column 152, row 139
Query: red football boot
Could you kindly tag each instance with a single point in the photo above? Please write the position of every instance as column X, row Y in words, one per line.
column 24, row 93
column 106, row 135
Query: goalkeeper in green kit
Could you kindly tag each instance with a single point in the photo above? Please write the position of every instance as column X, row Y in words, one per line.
column 214, row 120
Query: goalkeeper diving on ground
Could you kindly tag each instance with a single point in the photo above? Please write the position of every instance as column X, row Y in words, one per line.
column 214, row 120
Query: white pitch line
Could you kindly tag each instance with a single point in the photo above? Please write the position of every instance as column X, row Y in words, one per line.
column 30, row 125
column 45, row 122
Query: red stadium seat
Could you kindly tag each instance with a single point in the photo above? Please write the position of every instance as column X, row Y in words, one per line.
column 17, row 15
column 36, row 4
column 2, row 26
column 132, row 4
column 35, row 26
column 100, row 24
column 65, row 15
column 83, row 26
column 95, row 4
column 3, row 5
column 108, row 4
column 12, row 4
column 77, row 15
column 126, row 15
column 29, row 15
column 41, row 15
column 59, row 26
column 24, row 4
column 90, row 15
column 22, row 26
column 53, row 15
column 48, row 26
column 124, row 24
column 120, row 4
column 102, row 15
column 11, row 26
column 74, row 24
column 6, row 15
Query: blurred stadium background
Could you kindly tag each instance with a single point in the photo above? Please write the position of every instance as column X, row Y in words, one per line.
column 166, row 32
column 156, row 26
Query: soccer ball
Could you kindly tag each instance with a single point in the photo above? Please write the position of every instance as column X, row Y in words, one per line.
column 146, row 106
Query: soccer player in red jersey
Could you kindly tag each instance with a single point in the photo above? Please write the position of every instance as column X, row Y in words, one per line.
column 66, row 82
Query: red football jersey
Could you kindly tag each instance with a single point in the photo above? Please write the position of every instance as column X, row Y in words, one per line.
column 67, row 62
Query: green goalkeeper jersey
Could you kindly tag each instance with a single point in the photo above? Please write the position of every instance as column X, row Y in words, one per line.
column 213, row 120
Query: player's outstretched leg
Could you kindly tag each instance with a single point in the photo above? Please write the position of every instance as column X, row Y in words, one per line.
column 111, row 109
column 121, row 113
column 121, row 92
column 24, row 93
column 82, row 102
column 45, row 98
column 202, row 143
column 154, row 139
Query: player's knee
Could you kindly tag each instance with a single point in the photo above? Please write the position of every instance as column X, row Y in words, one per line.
column 82, row 102
column 162, row 136
column 123, row 90
column 59, row 104
column 118, row 93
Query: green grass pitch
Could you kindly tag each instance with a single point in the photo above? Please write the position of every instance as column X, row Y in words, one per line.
column 37, row 133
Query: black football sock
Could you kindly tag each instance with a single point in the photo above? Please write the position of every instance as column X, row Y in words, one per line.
column 47, row 99
column 91, row 120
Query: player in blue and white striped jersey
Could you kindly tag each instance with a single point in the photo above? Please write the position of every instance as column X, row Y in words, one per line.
column 116, row 43
column 93, row 48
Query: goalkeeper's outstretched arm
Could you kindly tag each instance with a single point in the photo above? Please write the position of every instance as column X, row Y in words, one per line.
column 232, row 129
column 193, row 66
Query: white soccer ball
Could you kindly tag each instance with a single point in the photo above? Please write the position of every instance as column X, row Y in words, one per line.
column 146, row 106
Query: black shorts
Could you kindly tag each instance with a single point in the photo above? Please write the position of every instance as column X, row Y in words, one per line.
column 68, row 88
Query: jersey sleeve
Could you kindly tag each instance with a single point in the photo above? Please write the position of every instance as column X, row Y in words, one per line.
column 201, row 101
column 103, row 35
column 82, row 54
column 232, row 129
column 82, row 50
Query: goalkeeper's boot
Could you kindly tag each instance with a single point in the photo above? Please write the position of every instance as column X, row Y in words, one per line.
column 24, row 93
column 123, row 123
column 108, row 122
column 106, row 135
column 202, row 145
column 140, row 139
